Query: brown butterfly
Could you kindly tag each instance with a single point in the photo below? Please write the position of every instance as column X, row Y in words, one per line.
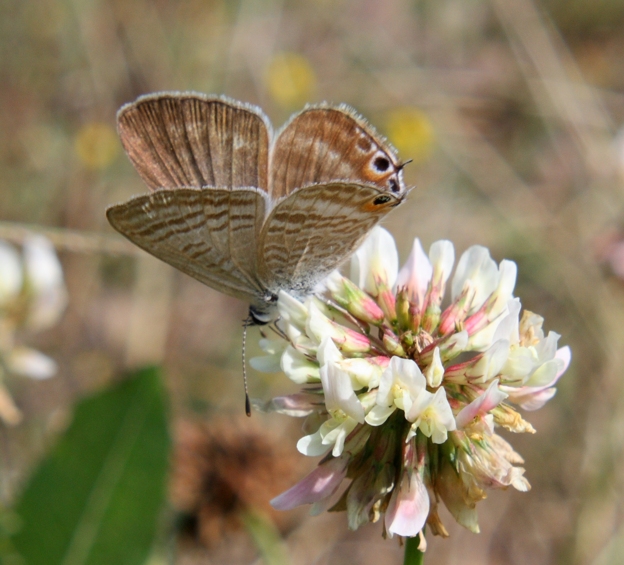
column 246, row 211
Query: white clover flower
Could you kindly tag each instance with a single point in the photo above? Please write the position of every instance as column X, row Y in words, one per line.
column 401, row 386
column 11, row 274
column 44, row 280
column 432, row 415
column 33, row 297
column 364, row 372
column 341, row 402
column 405, row 384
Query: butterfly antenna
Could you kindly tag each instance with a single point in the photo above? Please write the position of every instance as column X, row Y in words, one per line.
column 400, row 167
column 246, row 323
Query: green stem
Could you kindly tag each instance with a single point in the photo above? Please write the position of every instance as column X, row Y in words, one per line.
column 266, row 537
column 413, row 556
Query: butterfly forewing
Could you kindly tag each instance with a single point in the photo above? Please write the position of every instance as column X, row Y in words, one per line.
column 191, row 229
column 324, row 144
column 313, row 230
column 187, row 140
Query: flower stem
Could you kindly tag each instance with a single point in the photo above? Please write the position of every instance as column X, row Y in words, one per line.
column 413, row 555
column 266, row 537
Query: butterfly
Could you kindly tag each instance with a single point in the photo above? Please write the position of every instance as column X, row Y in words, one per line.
column 247, row 211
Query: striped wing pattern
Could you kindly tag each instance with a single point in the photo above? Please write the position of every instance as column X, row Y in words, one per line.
column 189, row 140
column 312, row 231
column 201, row 232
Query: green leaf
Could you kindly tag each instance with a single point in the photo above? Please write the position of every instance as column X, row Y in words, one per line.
column 97, row 497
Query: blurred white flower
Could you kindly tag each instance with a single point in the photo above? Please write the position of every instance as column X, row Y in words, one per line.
column 29, row 363
column 45, row 284
column 33, row 297
column 11, row 275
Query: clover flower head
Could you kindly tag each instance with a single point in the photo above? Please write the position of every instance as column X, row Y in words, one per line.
column 404, row 391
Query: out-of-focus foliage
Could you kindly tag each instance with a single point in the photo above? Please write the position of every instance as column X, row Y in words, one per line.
column 97, row 497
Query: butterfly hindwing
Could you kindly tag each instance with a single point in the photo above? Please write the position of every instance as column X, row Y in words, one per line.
column 312, row 231
column 204, row 233
column 190, row 140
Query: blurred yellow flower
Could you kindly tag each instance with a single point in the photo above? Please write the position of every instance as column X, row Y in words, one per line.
column 411, row 132
column 96, row 145
column 290, row 79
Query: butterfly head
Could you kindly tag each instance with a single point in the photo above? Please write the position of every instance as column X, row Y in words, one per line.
column 262, row 313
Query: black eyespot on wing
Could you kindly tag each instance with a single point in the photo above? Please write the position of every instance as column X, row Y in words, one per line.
column 394, row 185
column 381, row 164
column 382, row 200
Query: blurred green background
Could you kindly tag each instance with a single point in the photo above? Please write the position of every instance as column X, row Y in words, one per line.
column 511, row 110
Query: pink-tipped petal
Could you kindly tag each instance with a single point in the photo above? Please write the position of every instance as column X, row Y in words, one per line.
column 564, row 354
column 491, row 398
column 319, row 484
column 409, row 507
column 535, row 401
column 416, row 274
column 297, row 405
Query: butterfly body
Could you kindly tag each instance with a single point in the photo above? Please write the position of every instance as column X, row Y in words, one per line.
column 247, row 212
